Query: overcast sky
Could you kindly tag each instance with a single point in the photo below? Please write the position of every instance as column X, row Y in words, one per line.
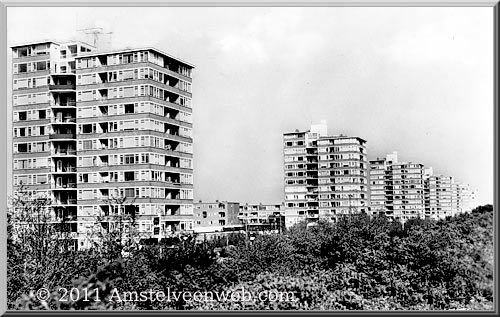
column 418, row 81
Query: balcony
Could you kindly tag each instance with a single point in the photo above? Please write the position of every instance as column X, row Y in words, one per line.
column 64, row 185
column 62, row 87
column 63, row 104
column 64, row 169
column 63, row 120
column 61, row 202
column 64, row 152
column 62, row 136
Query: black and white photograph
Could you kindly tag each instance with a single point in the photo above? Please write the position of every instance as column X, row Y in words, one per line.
column 250, row 158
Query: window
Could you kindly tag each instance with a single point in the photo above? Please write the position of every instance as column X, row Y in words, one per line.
column 128, row 74
column 128, row 91
column 128, row 159
column 23, row 115
column 129, row 192
column 129, row 108
column 42, row 179
column 41, row 114
column 41, row 66
column 87, row 144
column 84, row 178
column 22, row 52
column 22, row 147
column 22, row 68
column 128, row 58
column 87, row 128
column 129, row 176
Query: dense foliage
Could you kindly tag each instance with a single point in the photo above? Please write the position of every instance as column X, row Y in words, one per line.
column 360, row 263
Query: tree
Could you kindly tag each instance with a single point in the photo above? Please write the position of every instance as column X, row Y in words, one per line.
column 36, row 242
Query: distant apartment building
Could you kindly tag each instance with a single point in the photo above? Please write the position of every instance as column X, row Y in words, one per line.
column 440, row 195
column 462, row 198
column 446, row 197
column 91, row 126
column 216, row 216
column 397, row 188
column 262, row 218
column 325, row 176
column 407, row 190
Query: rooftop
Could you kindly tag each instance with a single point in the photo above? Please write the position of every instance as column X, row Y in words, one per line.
column 129, row 49
column 49, row 41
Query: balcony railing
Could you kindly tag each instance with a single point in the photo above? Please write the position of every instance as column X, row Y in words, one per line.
column 62, row 136
column 63, row 120
column 67, row 185
column 63, row 104
column 60, row 202
column 62, row 87
column 64, row 152
column 64, row 169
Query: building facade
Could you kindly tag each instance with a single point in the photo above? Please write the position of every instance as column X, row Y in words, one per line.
column 440, row 193
column 407, row 190
column 263, row 218
column 216, row 216
column 105, row 134
column 325, row 176
column 397, row 188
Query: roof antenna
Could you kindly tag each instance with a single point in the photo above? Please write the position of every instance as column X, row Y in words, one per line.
column 95, row 32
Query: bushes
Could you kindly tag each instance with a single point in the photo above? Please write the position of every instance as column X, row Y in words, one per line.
column 355, row 264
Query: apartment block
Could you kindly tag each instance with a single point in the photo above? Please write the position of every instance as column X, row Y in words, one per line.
column 216, row 216
column 397, row 188
column 93, row 128
column 440, row 195
column 448, row 197
column 325, row 176
column 462, row 198
column 262, row 217
column 406, row 190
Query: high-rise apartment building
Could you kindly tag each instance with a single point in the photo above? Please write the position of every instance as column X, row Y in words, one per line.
column 440, row 195
column 462, row 198
column 397, row 188
column 446, row 197
column 325, row 176
column 406, row 190
column 92, row 128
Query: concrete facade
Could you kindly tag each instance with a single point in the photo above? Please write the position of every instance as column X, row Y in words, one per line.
column 407, row 190
column 325, row 176
column 216, row 216
column 262, row 217
column 92, row 127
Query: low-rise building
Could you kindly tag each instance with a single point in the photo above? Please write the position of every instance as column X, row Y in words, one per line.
column 216, row 216
column 263, row 218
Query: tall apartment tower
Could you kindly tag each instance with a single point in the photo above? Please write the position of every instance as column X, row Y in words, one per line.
column 446, row 197
column 92, row 128
column 397, row 188
column 462, row 198
column 325, row 176
column 440, row 196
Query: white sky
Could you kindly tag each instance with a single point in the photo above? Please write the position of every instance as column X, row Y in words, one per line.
column 414, row 80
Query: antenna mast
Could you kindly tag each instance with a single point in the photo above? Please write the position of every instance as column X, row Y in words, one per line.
column 95, row 32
